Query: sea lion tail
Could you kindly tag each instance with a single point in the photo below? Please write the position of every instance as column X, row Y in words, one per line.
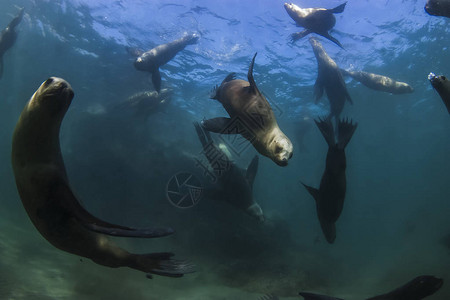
column 311, row 296
column 326, row 128
column 346, row 129
column 339, row 9
column 160, row 264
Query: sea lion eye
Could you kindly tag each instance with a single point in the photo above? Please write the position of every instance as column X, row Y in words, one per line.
column 48, row 81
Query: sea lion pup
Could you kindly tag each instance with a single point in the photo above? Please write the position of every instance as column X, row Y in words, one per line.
column 46, row 195
column 438, row 8
column 442, row 85
column 317, row 20
column 8, row 37
column 416, row 289
column 250, row 110
column 379, row 82
column 235, row 185
column 151, row 60
column 329, row 78
column 331, row 193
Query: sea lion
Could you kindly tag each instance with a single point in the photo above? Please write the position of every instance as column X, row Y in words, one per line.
column 416, row 289
column 379, row 82
column 331, row 194
column 151, row 60
column 46, row 195
column 249, row 109
column 329, row 78
column 8, row 37
column 442, row 85
column 438, row 8
column 234, row 184
column 145, row 104
column 317, row 20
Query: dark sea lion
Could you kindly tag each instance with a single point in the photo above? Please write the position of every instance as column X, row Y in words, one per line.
column 46, row 195
column 151, row 60
column 442, row 85
column 330, row 79
column 317, row 20
column 417, row 289
column 331, row 193
column 438, row 8
column 247, row 106
column 234, row 184
column 8, row 37
column 379, row 82
column 269, row 297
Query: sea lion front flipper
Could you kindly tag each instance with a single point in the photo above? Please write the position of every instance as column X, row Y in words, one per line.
column 313, row 191
column 334, row 40
column 318, row 90
column 203, row 136
column 338, row 9
column 298, row 35
column 345, row 132
column 252, row 170
column 217, row 125
column 311, row 296
column 62, row 190
column 161, row 264
column 326, row 128
column 252, row 88
column 156, row 79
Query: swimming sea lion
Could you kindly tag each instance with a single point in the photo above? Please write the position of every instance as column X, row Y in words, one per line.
column 151, row 60
column 317, row 20
column 438, row 8
column 329, row 78
column 416, row 289
column 234, row 184
column 379, row 82
column 250, row 109
column 46, row 195
column 8, row 36
column 331, row 194
column 144, row 104
column 442, row 85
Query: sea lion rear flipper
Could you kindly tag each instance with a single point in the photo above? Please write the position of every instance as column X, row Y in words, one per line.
column 326, row 128
column 216, row 125
column 91, row 222
column 156, row 79
column 338, row 9
column 298, row 35
column 252, row 170
column 334, row 40
column 345, row 132
column 311, row 296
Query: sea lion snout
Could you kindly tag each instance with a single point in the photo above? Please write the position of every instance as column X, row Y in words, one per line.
column 283, row 151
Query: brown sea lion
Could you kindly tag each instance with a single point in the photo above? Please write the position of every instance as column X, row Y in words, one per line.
column 438, row 8
column 329, row 78
column 317, row 20
column 8, row 37
column 47, row 197
column 251, row 112
column 153, row 59
column 442, row 85
column 331, row 193
column 234, row 185
column 379, row 82
column 416, row 289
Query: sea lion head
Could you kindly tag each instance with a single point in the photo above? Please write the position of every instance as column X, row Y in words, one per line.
column 53, row 97
column 280, row 148
column 435, row 7
column 292, row 10
column 403, row 88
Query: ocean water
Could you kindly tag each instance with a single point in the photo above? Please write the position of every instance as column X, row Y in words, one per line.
column 395, row 224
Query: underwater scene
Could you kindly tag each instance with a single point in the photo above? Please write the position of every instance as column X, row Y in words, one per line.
column 225, row 150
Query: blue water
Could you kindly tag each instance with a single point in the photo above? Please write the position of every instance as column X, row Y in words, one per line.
column 396, row 214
